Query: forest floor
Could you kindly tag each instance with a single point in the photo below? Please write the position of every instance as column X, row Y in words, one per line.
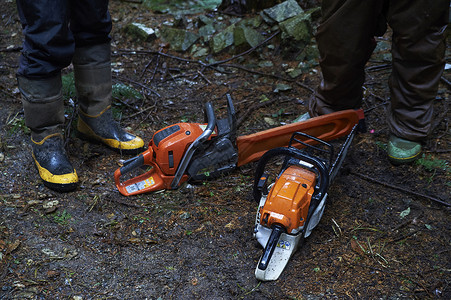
column 384, row 233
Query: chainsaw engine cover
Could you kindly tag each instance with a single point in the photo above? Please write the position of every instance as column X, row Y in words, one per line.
column 288, row 201
column 169, row 144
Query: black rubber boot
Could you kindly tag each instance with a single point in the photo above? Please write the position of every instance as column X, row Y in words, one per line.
column 105, row 129
column 92, row 67
column 44, row 114
column 53, row 165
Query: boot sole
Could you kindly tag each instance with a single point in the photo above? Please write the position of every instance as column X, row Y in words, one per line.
column 402, row 161
column 62, row 188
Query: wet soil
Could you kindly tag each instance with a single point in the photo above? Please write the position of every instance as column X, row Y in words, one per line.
column 383, row 235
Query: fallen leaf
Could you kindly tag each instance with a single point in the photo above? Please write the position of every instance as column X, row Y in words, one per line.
column 12, row 246
column 357, row 247
column 52, row 273
column 404, row 213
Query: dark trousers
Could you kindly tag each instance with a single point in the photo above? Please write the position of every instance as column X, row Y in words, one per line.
column 346, row 40
column 54, row 28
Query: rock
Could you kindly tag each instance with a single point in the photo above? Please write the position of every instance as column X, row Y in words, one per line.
column 204, row 20
column 207, row 31
column 140, row 32
column 266, row 64
column 222, row 40
column 282, row 11
column 246, row 35
column 298, row 27
column 200, row 52
column 270, row 121
column 50, row 204
column 178, row 39
column 185, row 215
column 282, row 87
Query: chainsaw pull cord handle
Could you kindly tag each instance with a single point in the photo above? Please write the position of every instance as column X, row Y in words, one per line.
column 296, row 153
column 271, row 246
column 192, row 148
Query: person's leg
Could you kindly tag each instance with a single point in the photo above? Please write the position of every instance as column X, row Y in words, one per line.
column 345, row 41
column 91, row 25
column 418, row 49
column 48, row 47
column 48, row 44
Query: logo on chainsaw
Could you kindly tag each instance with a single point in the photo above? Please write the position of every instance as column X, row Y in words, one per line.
column 284, row 244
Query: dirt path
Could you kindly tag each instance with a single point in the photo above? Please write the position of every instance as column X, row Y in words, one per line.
column 383, row 235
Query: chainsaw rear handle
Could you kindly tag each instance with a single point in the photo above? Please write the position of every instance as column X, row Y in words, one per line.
column 131, row 164
column 298, row 154
column 193, row 147
column 271, row 245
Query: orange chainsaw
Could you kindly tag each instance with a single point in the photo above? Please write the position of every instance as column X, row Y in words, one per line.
column 292, row 203
column 201, row 151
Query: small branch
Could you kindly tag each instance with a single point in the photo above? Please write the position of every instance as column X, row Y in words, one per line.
column 145, row 68
column 400, row 188
column 136, row 83
column 203, row 76
column 269, row 75
column 126, row 104
column 379, row 67
column 156, row 68
column 253, row 107
column 139, row 112
column 446, row 81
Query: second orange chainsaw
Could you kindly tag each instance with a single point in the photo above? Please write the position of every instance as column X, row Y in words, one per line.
column 200, row 151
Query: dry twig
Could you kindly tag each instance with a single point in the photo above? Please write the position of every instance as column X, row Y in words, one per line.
column 399, row 188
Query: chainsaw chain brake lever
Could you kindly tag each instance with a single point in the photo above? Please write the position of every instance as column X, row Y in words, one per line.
column 196, row 144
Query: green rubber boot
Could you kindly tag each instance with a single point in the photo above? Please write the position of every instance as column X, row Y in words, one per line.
column 92, row 69
column 401, row 151
column 44, row 114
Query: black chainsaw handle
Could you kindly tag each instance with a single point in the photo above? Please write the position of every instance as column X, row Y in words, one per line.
column 131, row 164
column 193, row 147
column 271, row 246
column 295, row 153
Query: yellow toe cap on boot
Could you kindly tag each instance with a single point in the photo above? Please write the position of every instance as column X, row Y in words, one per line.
column 110, row 135
column 53, row 166
column 47, row 176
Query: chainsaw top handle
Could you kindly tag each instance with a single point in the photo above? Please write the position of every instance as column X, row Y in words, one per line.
column 316, row 163
column 192, row 148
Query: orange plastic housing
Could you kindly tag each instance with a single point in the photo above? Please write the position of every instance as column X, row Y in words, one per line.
column 164, row 155
column 288, row 201
column 168, row 152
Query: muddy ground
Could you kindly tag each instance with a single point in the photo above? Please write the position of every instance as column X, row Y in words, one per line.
column 384, row 234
